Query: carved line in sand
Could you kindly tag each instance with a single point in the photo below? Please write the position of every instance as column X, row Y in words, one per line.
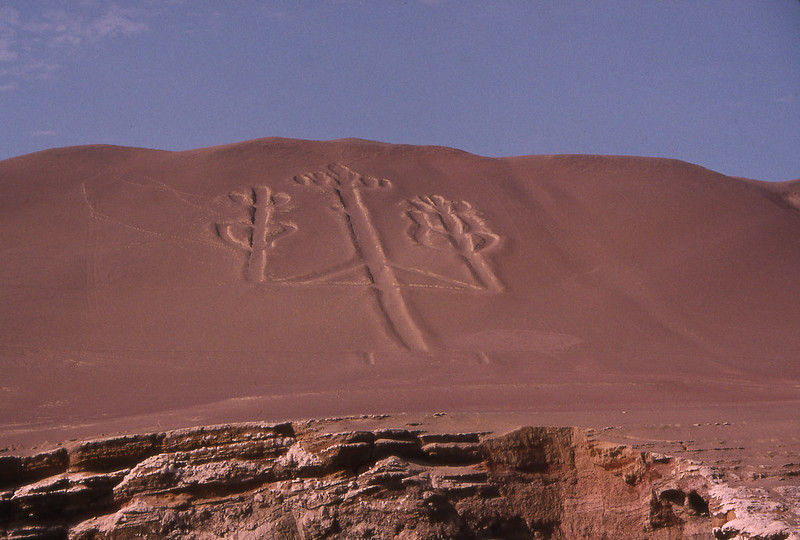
column 437, row 223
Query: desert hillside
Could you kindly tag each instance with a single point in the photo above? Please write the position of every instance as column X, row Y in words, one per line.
column 293, row 278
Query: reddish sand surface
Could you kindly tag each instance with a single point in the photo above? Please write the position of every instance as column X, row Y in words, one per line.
column 280, row 279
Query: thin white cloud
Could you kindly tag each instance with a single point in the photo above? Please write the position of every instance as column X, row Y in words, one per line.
column 8, row 16
column 43, row 133
column 9, row 87
column 61, row 27
column 26, row 45
column 30, row 70
column 6, row 54
column 115, row 22
column 9, row 19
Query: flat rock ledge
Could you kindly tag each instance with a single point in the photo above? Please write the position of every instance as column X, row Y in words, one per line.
column 301, row 480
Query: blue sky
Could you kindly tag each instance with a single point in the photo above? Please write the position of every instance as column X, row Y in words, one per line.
column 713, row 82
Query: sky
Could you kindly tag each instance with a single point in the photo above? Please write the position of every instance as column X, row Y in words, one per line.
column 712, row 82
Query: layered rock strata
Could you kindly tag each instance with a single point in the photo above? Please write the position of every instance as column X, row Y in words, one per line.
column 297, row 480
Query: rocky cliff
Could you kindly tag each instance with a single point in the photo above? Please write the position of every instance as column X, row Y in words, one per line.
column 299, row 480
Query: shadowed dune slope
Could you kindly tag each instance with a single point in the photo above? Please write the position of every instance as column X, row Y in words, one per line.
column 352, row 276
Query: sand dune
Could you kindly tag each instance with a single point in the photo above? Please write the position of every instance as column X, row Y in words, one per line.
column 279, row 278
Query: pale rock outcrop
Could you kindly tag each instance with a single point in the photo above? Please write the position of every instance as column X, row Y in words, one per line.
column 298, row 481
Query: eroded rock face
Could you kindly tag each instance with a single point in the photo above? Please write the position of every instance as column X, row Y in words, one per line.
column 299, row 481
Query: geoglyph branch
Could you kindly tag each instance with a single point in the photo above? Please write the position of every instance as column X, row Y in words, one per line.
column 347, row 185
column 260, row 232
column 443, row 224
